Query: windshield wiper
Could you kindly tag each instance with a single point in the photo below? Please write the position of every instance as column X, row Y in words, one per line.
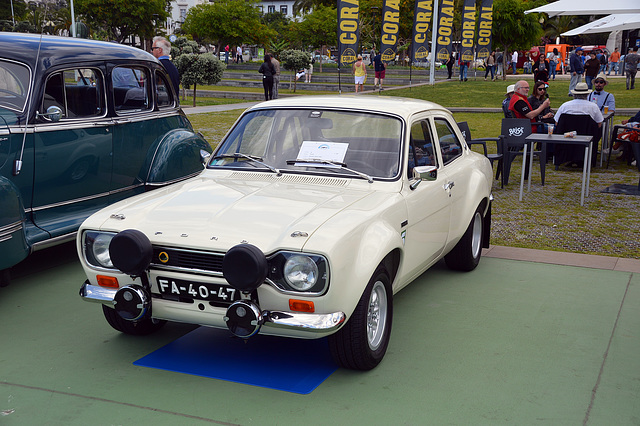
column 253, row 158
column 318, row 163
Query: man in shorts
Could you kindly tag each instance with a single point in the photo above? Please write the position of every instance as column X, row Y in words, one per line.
column 379, row 68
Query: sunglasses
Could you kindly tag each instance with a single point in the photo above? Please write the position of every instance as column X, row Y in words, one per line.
column 154, row 47
column 541, row 89
column 599, row 82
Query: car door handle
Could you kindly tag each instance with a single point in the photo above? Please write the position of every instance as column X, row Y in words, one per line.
column 103, row 124
column 449, row 185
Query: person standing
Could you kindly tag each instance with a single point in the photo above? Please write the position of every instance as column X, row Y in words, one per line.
column 591, row 68
column 161, row 49
column 631, row 67
column 268, row 71
column 276, row 76
column 514, row 61
column 359, row 70
column 379, row 67
column 464, row 66
column 450, row 62
column 577, row 69
column 491, row 66
column 599, row 96
column 239, row 54
column 226, row 54
column 553, row 63
column 613, row 62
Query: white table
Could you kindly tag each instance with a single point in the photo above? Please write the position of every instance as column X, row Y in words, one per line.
column 587, row 141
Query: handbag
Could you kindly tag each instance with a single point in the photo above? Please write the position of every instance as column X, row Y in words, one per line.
column 629, row 135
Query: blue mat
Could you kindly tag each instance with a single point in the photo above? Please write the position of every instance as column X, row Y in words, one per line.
column 290, row 365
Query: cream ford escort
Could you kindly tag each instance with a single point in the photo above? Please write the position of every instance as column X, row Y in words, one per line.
column 310, row 215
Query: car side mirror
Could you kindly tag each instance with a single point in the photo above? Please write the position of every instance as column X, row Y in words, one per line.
column 420, row 173
column 204, row 157
column 54, row 113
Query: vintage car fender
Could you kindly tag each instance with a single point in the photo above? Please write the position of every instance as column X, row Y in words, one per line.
column 13, row 243
column 175, row 156
column 355, row 257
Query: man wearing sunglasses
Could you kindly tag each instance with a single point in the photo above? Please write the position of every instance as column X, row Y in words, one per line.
column 600, row 96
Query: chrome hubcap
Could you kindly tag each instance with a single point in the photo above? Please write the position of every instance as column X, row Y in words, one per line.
column 476, row 237
column 376, row 315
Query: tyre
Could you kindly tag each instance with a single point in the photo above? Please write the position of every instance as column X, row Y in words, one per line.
column 137, row 328
column 465, row 256
column 362, row 342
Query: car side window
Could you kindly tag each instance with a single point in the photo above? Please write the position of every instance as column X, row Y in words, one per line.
column 131, row 91
column 78, row 92
column 163, row 91
column 420, row 147
column 450, row 145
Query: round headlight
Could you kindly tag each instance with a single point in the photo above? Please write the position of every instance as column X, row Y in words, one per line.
column 301, row 272
column 100, row 249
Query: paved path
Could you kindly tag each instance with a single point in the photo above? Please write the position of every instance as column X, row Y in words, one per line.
column 515, row 342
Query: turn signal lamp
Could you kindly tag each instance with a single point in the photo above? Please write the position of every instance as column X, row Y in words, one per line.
column 105, row 281
column 301, row 305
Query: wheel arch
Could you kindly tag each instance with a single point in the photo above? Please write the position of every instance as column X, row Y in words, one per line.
column 175, row 155
column 13, row 241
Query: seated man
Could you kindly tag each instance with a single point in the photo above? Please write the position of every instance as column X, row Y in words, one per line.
column 600, row 96
column 580, row 105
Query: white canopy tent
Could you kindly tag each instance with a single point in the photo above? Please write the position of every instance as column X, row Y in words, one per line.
column 619, row 22
column 588, row 7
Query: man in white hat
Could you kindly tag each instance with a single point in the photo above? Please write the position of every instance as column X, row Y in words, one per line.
column 507, row 98
column 580, row 105
column 599, row 96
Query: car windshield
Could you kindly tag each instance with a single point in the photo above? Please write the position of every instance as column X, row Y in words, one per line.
column 14, row 85
column 346, row 143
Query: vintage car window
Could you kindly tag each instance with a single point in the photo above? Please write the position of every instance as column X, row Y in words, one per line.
column 366, row 142
column 450, row 145
column 131, row 89
column 78, row 92
column 163, row 91
column 420, row 147
column 14, row 85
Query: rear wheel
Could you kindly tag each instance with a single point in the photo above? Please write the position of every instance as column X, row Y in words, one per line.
column 136, row 328
column 362, row 342
column 465, row 256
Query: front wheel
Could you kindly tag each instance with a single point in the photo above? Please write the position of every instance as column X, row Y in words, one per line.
column 465, row 256
column 135, row 328
column 362, row 342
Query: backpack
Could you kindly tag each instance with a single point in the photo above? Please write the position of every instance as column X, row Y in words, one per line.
column 499, row 58
column 603, row 59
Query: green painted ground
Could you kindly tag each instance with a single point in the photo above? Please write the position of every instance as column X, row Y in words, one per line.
column 513, row 343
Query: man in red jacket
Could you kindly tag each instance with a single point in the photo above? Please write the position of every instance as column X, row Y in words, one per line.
column 520, row 106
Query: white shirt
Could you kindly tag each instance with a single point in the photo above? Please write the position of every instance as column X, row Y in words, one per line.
column 580, row 107
column 514, row 57
column 239, row 50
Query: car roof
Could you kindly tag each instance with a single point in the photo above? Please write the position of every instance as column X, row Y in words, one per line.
column 404, row 107
column 56, row 50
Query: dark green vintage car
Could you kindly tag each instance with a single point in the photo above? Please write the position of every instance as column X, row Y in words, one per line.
column 82, row 124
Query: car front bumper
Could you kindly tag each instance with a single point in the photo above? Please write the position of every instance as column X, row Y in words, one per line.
column 305, row 322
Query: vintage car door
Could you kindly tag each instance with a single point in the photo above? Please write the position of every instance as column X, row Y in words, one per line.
column 135, row 130
column 428, row 204
column 458, row 169
column 72, row 149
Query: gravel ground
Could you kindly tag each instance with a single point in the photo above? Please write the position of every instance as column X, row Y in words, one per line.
column 550, row 217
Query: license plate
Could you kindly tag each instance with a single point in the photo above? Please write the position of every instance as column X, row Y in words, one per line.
column 200, row 291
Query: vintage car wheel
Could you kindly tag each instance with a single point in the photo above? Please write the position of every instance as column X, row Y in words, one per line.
column 362, row 342
column 137, row 328
column 465, row 256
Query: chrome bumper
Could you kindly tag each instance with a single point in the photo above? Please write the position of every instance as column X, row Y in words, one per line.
column 321, row 323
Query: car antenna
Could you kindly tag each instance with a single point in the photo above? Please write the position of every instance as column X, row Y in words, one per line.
column 17, row 164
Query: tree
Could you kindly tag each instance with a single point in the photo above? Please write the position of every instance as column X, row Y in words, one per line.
column 319, row 28
column 294, row 60
column 232, row 22
column 512, row 29
column 123, row 18
column 19, row 10
column 183, row 45
column 197, row 69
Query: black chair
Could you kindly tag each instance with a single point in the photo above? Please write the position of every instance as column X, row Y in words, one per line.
column 464, row 129
column 582, row 125
column 513, row 138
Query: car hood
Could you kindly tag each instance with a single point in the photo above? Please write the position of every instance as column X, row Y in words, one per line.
column 218, row 213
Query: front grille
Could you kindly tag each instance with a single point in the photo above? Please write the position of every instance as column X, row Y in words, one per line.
column 187, row 259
